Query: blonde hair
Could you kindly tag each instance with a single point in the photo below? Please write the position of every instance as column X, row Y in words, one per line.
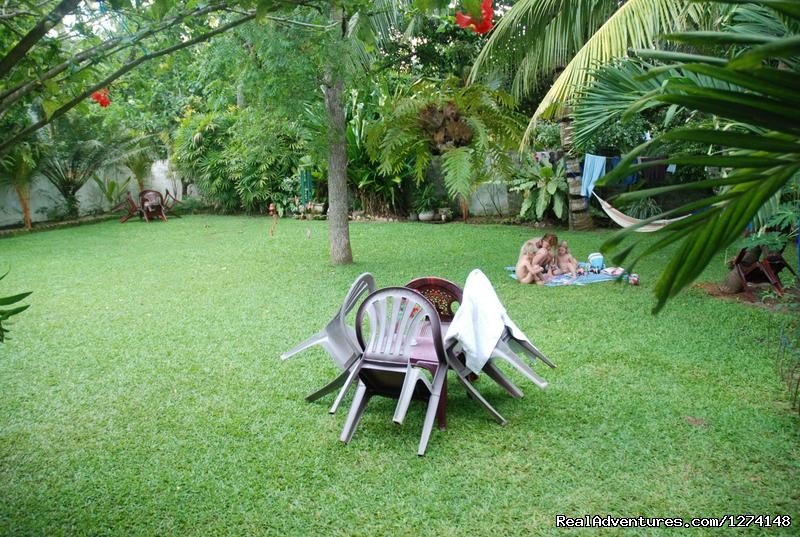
column 529, row 247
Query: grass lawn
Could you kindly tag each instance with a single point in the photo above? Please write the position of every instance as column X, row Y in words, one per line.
column 142, row 392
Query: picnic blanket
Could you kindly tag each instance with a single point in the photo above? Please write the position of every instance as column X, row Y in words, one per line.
column 608, row 275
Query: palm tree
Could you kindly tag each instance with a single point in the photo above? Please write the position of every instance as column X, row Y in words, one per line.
column 69, row 168
column 752, row 99
column 536, row 38
column 16, row 170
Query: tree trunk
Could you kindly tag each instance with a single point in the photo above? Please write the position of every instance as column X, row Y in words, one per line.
column 24, row 196
column 338, row 224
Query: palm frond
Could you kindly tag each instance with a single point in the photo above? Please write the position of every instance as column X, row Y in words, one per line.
column 764, row 156
column 458, row 169
column 636, row 24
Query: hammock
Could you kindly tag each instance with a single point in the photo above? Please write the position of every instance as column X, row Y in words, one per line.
column 627, row 221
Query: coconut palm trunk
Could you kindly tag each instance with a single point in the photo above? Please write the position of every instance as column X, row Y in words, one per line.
column 24, row 195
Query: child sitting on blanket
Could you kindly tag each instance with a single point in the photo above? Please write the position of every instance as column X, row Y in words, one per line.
column 526, row 270
column 534, row 258
column 565, row 262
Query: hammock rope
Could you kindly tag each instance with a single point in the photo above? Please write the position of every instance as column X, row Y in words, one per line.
column 628, row 221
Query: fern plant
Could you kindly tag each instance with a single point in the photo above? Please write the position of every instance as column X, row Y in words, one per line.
column 472, row 128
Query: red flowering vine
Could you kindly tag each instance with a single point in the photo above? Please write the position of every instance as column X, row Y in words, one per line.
column 479, row 26
column 101, row 97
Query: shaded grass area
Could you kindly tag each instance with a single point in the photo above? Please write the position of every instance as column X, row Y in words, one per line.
column 142, row 392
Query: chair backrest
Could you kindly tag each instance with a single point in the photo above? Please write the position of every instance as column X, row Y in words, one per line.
column 342, row 337
column 150, row 196
column 364, row 283
column 443, row 294
column 395, row 316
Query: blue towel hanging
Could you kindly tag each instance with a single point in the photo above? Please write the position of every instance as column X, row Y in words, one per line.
column 594, row 167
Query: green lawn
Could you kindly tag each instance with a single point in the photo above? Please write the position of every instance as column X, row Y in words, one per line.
column 142, row 394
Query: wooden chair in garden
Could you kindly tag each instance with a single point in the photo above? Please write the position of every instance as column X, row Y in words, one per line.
column 170, row 202
column 766, row 270
column 151, row 203
column 130, row 206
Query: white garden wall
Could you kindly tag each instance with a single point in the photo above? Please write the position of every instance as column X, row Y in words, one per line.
column 47, row 203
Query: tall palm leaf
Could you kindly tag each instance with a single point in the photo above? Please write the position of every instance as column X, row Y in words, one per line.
column 763, row 150
column 7, row 313
column 536, row 37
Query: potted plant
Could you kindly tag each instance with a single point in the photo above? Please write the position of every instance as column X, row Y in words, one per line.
column 425, row 203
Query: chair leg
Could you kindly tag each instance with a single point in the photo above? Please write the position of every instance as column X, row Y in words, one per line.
column 316, row 339
column 329, row 387
column 413, row 374
column 532, row 350
column 345, row 388
column 504, row 351
column 441, row 413
column 773, row 278
column 433, row 407
column 748, row 291
column 360, row 401
column 475, row 394
column 504, row 382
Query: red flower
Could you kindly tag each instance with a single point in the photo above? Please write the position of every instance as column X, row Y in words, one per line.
column 101, row 97
column 482, row 26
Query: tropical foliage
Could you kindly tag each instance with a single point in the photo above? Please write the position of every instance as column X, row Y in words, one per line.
column 75, row 151
column 240, row 160
column 57, row 67
column 751, row 96
column 472, row 128
column 7, row 313
column 16, row 171
column 562, row 41
column 543, row 186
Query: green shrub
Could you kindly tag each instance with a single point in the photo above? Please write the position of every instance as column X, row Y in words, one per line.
column 544, row 188
column 240, row 160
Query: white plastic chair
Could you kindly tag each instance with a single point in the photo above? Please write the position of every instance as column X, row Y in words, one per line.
column 395, row 317
column 337, row 338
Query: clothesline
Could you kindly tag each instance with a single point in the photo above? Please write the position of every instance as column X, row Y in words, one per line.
column 595, row 166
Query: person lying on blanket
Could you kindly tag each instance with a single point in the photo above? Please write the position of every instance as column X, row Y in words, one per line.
column 535, row 262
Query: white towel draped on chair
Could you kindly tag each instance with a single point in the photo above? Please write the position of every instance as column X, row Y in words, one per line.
column 480, row 322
